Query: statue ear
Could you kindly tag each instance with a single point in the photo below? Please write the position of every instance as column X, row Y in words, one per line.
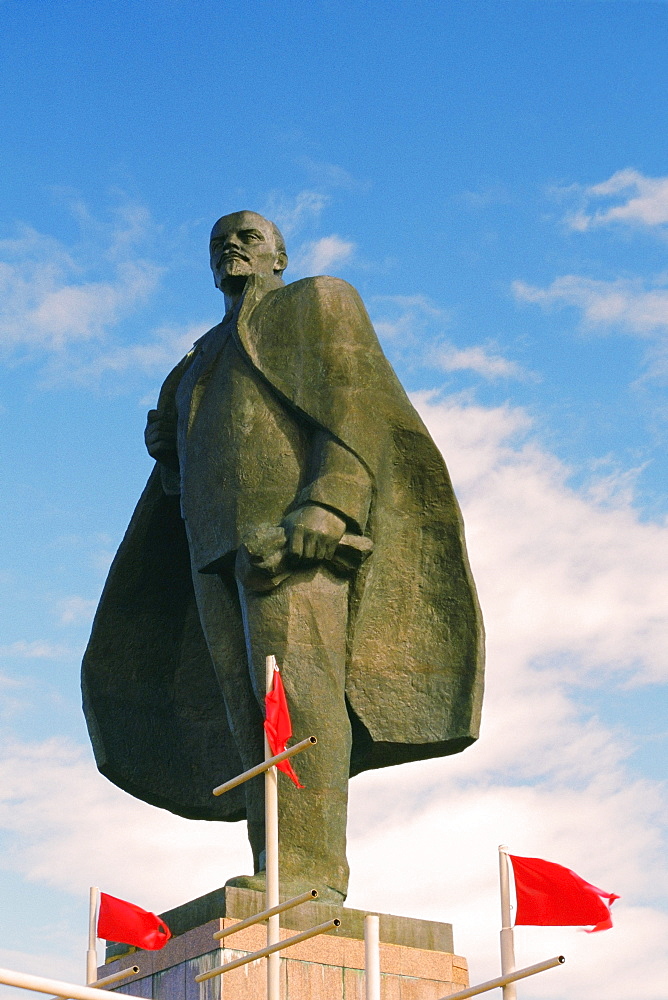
column 281, row 261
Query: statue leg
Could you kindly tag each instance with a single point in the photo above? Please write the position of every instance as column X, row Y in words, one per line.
column 220, row 616
column 303, row 622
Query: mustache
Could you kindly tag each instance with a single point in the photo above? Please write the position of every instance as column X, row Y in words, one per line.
column 228, row 254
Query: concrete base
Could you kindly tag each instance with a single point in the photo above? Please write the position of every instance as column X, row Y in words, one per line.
column 416, row 958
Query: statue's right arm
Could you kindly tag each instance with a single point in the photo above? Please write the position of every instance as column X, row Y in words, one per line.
column 160, row 433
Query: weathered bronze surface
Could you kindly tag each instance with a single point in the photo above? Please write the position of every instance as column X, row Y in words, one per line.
column 298, row 507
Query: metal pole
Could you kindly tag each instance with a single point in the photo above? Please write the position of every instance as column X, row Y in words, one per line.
column 507, row 938
column 253, row 772
column 241, row 925
column 91, row 954
column 372, row 956
column 115, row 977
column 491, row 984
column 56, row 987
column 272, row 897
column 328, row 925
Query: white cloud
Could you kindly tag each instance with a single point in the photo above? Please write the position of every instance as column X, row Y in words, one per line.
column 291, row 214
column 481, row 361
column 47, row 301
column 52, row 307
column 108, row 839
column 155, row 357
column 404, row 316
column 9, row 683
column 319, row 256
column 628, row 304
column 329, row 174
column 574, row 597
column 75, row 609
column 37, row 649
column 50, row 964
column 588, row 580
column 495, row 194
column 644, row 201
column 443, row 860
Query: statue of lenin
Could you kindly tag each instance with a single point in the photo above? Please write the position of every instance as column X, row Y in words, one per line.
column 299, row 507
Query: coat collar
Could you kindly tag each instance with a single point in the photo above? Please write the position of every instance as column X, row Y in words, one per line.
column 257, row 286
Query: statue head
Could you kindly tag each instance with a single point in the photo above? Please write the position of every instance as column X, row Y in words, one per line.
column 242, row 244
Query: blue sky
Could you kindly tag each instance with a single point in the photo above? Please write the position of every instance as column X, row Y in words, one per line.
column 493, row 178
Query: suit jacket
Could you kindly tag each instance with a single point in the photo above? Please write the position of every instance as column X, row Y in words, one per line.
column 415, row 635
column 246, row 457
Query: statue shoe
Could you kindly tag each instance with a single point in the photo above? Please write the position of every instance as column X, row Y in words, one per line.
column 258, row 882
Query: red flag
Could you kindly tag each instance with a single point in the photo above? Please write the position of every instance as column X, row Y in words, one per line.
column 277, row 724
column 550, row 895
column 129, row 924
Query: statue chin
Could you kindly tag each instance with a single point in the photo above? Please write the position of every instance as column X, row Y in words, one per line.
column 234, row 284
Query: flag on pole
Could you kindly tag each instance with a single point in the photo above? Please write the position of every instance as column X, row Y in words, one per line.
column 277, row 724
column 551, row 895
column 129, row 924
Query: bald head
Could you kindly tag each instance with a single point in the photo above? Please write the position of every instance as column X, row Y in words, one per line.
column 242, row 244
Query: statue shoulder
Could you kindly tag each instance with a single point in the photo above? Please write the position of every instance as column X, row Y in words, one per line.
column 321, row 287
column 318, row 311
column 205, row 336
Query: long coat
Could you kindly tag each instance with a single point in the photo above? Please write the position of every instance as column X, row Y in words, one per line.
column 415, row 637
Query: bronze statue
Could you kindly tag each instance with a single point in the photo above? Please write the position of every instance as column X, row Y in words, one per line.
column 299, row 507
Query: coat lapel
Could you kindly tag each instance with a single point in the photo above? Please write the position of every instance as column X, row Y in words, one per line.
column 256, row 288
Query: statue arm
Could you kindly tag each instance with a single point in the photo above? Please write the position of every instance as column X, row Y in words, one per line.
column 336, row 499
column 160, row 433
column 338, row 482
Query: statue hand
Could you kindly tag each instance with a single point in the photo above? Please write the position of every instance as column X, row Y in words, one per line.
column 160, row 439
column 313, row 533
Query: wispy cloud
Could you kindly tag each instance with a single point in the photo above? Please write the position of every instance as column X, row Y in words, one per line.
column 75, row 609
column 483, row 362
column 63, row 305
column 318, row 256
column 50, row 296
column 495, row 194
column 581, row 577
column 9, row 682
column 632, row 304
column 329, row 174
column 36, row 649
column 154, row 357
column 291, row 214
column 638, row 200
column 43, row 309
column 72, row 849
column 399, row 316
column 50, row 964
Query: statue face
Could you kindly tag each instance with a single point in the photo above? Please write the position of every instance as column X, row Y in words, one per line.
column 243, row 244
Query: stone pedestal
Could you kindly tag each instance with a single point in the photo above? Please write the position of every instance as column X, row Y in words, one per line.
column 416, row 958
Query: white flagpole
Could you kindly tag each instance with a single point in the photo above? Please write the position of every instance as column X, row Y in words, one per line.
column 272, row 895
column 507, row 938
column 91, row 954
column 372, row 956
column 39, row 984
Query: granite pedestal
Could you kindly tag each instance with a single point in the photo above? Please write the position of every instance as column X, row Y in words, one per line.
column 416, row 956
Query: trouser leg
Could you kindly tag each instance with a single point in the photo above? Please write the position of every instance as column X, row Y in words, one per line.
column 303, row 622
column 220, row 616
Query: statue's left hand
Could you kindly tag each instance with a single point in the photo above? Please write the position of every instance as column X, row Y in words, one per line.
column 313, row 533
